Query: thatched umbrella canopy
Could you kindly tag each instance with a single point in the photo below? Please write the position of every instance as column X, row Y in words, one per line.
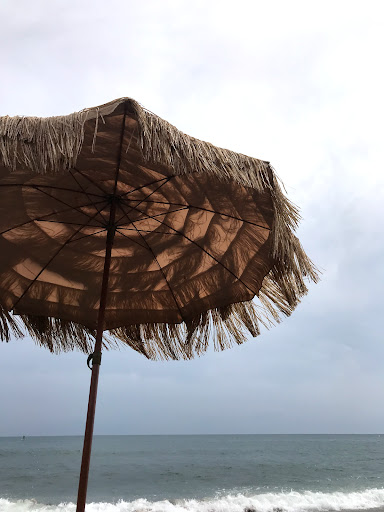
column 113, row 221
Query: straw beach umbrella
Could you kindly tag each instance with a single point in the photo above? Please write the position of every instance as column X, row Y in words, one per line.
column 116, row 226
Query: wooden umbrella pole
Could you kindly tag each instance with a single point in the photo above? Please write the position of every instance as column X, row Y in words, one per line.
column 96, row 360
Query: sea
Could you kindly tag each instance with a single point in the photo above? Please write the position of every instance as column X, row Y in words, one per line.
column 195, row 473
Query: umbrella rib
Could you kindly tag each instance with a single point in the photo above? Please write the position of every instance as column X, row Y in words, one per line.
column 120, row 149
column 204, row 250
column 149, row 231
column 146, row 185
column 157, row 215
column 67, row 223
column 141, row 200
column 160, row 267
column 48, row 262
column 39, row 219
column 86, row 193
column 32, row 185
column 129, row 238
column 90, row 180
column 211, row 211
column 72, row 207
column 87, row 236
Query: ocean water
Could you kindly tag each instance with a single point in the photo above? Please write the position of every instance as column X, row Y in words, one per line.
column 208, row 473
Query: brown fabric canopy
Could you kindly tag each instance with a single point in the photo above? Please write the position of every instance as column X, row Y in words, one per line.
column 198, row 232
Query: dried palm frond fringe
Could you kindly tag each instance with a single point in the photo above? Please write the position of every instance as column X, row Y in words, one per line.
column 51, row 145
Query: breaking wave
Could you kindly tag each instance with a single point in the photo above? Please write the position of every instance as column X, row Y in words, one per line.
column 269, row 502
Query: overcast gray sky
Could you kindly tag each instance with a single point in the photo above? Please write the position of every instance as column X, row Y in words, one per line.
column 297, row 83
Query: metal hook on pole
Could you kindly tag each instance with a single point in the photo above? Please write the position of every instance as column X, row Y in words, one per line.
column 95, row 358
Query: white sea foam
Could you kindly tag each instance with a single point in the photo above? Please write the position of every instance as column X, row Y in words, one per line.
column 269, row 502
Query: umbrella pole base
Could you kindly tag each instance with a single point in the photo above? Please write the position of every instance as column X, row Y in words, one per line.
column 88, row 436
